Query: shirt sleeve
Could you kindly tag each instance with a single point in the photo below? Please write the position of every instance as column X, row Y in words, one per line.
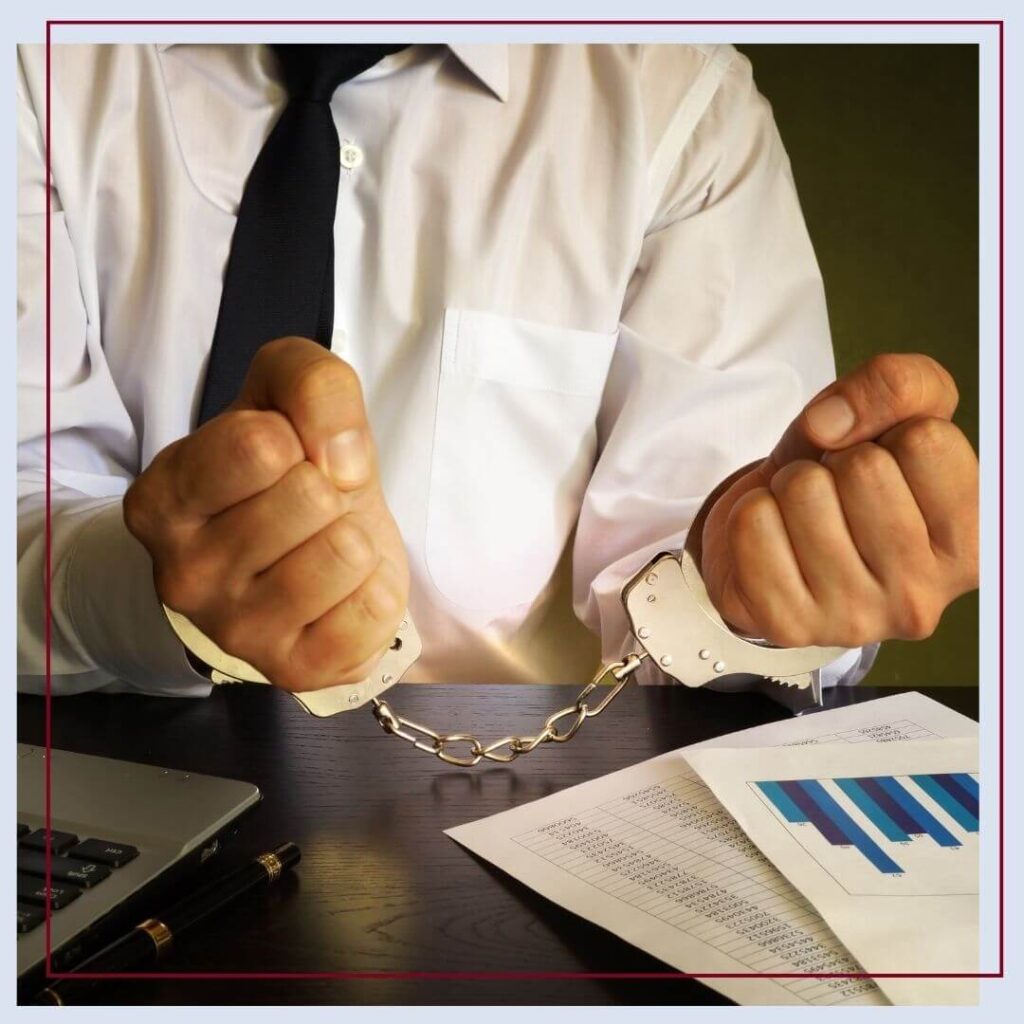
column 108, row 630
column 723, row 337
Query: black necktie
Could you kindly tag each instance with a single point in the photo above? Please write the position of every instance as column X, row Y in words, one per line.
column 280, row 273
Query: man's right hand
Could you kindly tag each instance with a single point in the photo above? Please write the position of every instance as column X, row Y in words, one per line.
column 268, row 528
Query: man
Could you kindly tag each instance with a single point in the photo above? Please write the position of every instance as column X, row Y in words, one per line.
column 572, row 296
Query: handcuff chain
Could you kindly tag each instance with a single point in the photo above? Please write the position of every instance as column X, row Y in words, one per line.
column 439, row 744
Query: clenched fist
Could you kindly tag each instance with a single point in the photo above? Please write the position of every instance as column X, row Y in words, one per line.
column 862, row 525
column 268, row 529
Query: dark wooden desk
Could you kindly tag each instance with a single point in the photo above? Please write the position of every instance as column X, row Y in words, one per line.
column 380, row 888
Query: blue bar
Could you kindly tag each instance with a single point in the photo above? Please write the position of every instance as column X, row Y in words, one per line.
column 917, row 812
column 893, row 809
column 777, row 795
column 968, row 801
column 969, row 782
column 816, row 814
column 871, row 810
column 867, row 846
column 947, row 802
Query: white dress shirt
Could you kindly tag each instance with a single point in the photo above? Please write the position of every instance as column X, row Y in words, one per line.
column 574, row 281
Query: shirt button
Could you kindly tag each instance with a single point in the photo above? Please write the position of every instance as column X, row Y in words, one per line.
column 351, row 156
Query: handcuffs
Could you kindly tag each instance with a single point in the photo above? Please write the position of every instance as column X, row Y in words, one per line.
column 671, row 617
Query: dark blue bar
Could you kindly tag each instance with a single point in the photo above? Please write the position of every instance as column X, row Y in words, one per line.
column 893, row 809
column 822, row 821
column 969, row 782
column 931, row 785
column 777, row 795
column 872, row 811
column 846, row 824
column 968, row 801
column 916, row 811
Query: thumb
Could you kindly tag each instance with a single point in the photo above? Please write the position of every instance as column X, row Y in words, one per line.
column 322, row 398
column 866, row 402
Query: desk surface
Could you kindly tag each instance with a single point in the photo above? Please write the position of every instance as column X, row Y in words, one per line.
column 380, row 888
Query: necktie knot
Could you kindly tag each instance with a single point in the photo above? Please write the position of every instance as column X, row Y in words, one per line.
column 313, row 71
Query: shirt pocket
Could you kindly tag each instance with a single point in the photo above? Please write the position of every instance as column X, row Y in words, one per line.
column 514, row 445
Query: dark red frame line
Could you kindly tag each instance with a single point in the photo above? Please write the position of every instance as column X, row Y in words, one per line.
column 533, row 975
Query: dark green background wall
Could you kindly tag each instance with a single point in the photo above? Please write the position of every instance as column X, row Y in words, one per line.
column 884, row 145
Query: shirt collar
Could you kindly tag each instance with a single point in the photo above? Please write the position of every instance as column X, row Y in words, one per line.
column 487, row 61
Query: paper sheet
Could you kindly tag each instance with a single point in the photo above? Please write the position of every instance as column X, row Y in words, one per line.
column 650, row 854
column 883, row 841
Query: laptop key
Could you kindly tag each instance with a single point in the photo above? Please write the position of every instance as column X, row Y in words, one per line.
column 23, row 830
column 62, row 869
column 33, row 890
column 60, row 842
column 29, row 917
column 114, row 855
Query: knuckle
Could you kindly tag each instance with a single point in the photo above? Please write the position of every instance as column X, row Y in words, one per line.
column 315, row 494
column 930, row 366
column 897, row 380
column 271, row 352
column 751, row 512
column 329, row 377
column 928, row 438
column 261, row 443
column 864, row 464
column 350, row 545
column 859, row 627
column 917, row 614
column 952, row 391
column 179, row 588
column 134, row 507
column 380, row 601
column 801, row 483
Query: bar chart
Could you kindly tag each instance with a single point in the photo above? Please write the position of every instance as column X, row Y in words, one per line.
column 884, row 834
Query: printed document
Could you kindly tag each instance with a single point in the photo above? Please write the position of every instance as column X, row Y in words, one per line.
column 882, row 841
column 650, row 854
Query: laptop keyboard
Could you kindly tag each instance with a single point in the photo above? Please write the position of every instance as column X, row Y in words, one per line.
column 74, row 867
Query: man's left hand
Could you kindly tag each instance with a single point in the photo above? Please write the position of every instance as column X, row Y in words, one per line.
column 862, row 525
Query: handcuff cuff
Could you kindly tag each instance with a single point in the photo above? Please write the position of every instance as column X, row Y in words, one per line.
column 671, row 617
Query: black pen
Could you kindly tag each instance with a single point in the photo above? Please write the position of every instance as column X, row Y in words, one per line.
column 147, row 942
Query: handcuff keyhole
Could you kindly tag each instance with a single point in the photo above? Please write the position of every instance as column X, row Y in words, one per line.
column 396, row 644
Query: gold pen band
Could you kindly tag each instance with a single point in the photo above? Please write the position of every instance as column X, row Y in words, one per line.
column 54, row 995
column 271, row 864
column 159, row 933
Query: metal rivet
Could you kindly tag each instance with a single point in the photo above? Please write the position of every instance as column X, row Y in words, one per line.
column 719, row 666
column 652, row 578
column 405, row 622
column 354, row 699
column 387, row 680
column 704, row 654
column 643, row 632
column 666, row 660
column 651, row 599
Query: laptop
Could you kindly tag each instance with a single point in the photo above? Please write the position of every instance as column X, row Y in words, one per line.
column 121, row 834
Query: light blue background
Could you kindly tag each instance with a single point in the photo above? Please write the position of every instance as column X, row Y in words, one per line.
column 25, row 22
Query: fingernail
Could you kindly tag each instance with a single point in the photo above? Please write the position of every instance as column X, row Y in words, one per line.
column 831, row 419
column 348, row 458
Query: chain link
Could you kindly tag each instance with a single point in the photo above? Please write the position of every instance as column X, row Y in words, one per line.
column 469, row 751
